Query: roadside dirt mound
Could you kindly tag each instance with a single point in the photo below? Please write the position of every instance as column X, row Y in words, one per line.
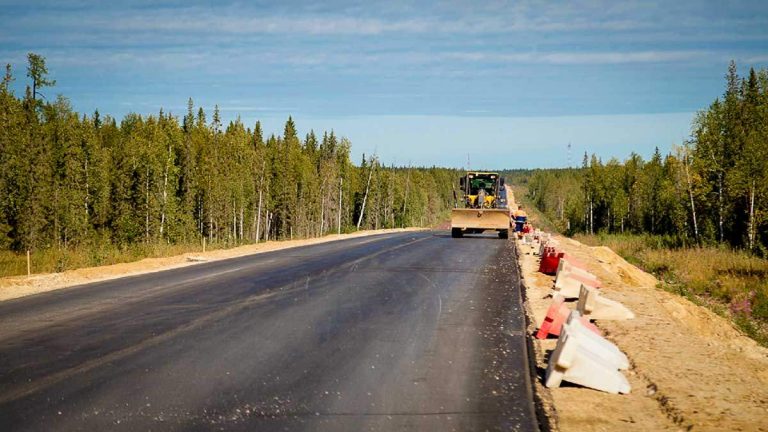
column 691, row 369
column 20, row 286
column 698, row 319
column 628, row 273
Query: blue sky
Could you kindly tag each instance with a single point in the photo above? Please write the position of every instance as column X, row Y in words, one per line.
column 510, row 83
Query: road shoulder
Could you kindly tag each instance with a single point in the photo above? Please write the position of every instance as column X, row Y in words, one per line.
column 690, row 369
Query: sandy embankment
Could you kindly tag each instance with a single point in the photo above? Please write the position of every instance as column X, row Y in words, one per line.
column 690, row 368
column 20, row 286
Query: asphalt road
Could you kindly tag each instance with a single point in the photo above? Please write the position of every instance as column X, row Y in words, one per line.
column 413, row 331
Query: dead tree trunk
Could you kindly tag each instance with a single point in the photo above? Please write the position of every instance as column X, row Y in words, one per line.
column 365, row 197
column 322, row 208
column 146, row 219
column 690, row 196
column 405, row 200
column 258, row 217
column 165, row 190
column 341, row 183
column 751, row 226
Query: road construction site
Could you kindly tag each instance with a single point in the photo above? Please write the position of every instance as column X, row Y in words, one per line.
column 408, row 330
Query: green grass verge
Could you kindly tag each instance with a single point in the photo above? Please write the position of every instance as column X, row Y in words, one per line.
column 733, row 284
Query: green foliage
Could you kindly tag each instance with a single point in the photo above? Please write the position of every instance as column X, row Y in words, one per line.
column 39, row 73
column 697, row 218
column 712, row 189
column 89, row 190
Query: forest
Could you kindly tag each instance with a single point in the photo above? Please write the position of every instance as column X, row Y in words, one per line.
column 711, row 189
column 70, row 180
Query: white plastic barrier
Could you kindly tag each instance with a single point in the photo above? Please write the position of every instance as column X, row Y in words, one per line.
column 569, row 285
column 573, row 361
column 596, row 343
column 547, row 243
column 542, row 245
column 565, row 265
column 594, row 306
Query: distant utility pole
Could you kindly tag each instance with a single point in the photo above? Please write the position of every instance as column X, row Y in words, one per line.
column 569, row 155
column 469, row 165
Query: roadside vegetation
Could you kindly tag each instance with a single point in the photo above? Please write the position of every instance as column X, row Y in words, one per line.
column 80, row 190
column 732, row 283
column 697, row 218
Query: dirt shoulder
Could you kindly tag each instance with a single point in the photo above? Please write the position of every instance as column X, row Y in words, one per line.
column 20, row 286
column 690, row 368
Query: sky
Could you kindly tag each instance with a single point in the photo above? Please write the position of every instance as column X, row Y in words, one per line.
column 492, row 84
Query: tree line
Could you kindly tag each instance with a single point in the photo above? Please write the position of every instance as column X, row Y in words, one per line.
column 68, row 179
column 711, row 189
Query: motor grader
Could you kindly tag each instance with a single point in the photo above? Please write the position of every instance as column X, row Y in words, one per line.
column 483, row 205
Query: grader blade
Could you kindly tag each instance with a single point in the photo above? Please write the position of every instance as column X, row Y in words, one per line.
column 480, row 219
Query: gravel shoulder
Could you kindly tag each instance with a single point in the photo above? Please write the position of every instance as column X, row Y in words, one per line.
column 21, row 286
column 690, row 368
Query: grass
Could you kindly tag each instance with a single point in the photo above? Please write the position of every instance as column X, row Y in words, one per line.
column 55, row 260
column 536, row 217
column 732, row 283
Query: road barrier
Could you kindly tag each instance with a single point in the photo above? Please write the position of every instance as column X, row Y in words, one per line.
column 596, row 342
column 557, row 315
column 543, row 245
column 582, row 355
column 550, row 259
column 573, row 266
column 569, row 284
column 577, row 360
column 584, row 321
column 593, row 306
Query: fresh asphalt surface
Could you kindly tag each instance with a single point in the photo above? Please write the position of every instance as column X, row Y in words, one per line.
column 411, row 331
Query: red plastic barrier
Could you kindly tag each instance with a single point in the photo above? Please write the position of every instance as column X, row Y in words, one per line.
column 549, row 261
column 556, row 315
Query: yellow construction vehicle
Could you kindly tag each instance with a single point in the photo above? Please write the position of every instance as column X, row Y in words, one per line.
column 483, row 205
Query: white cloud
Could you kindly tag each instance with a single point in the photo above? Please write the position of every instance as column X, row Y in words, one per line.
column 196, row 20
column 568, row 58
column 350, row 60
column 253, row 108
column 756, row 59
